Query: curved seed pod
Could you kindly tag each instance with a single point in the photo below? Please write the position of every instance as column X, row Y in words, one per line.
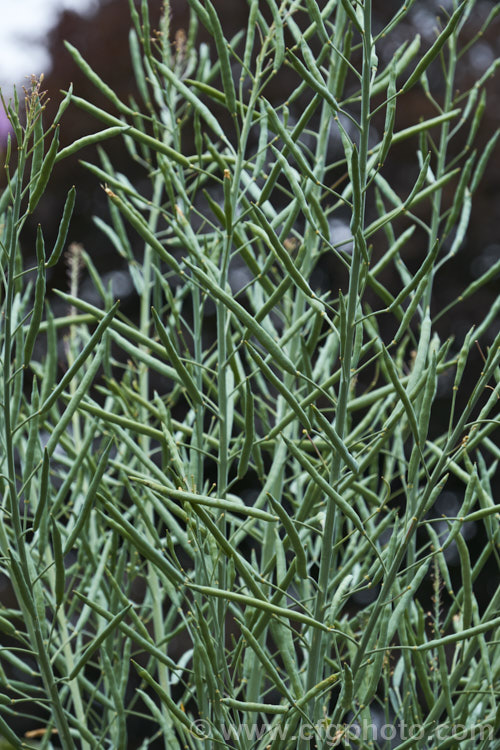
column 410, row 311
column 357, row 197
column 244, row 317
column 131, row 632
column 466, row 581
column 106, row 90
column 268, row 607
column 484, row 279
column 8, row 735
column 483, row 161
column 458, row 198
column 44, row 173
column 436, row 48
column 266, row 662
column 321, row 687
column 228, row 208
column 135, row 133
column 420, row 181
column 40, row 245
column 167, row 700
column 135, row 55
column 36, row 317
column 408, row 406
column 59, row 563
column 316, row 17
column 222, row 51
column 24, row 591
column 202, row 109
column 63, row 228
column 338, row 444
column 90, row 498
column 249, row 436
column 202, row 13
column 252, row 18
column 390, row 117
column 139, row 224
column 334, row 496
column 175, row 360
column 337, row 598
column 346, row 4
column 90, row 140
column 346, row 694
column 44, row 491
column 105, row 632
column 283, row 637
column 417, row 278
column 279, row 38
column 84, row 354
column 33, row 442
column 64, row 104
column 276, row 382
column 266, row 708
column 265, row 231
column 293, row 536
column 317, row 84
column 422, row 195
column 462, row 635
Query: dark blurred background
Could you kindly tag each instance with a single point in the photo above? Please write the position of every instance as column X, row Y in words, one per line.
column 102, row 39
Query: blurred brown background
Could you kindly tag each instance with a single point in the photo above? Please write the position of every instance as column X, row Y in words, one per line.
column 102, row 39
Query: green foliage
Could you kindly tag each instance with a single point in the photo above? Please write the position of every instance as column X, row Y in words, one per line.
column 193, row 510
